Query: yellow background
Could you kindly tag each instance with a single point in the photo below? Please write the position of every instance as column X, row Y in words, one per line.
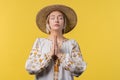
column 97, row 32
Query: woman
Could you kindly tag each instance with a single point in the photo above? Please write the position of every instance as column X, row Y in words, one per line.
column 55, row 57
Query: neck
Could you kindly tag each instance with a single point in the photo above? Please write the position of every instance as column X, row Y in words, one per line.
column 58, row 34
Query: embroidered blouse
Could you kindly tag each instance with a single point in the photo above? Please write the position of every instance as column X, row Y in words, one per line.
column 44, row 67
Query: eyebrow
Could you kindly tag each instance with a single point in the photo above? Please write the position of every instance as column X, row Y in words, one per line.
column 58, row 15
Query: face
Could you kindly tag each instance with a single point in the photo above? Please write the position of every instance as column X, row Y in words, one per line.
column 56, row 21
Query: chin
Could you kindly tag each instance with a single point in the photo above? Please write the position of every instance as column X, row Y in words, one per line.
column 57, row 30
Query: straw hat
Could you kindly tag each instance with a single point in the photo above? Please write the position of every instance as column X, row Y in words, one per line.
column 69, row 13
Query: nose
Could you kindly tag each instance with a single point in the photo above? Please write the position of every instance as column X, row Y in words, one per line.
column 56, row 20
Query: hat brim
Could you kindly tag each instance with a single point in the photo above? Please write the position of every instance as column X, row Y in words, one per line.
column 69, row 13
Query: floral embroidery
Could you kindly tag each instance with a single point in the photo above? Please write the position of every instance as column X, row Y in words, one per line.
column 71, row 60
column 35, row 53
column 40, row 60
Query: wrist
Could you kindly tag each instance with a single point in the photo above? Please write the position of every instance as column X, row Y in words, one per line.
column 60, row 56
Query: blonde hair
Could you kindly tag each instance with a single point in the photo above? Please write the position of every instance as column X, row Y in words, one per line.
column 48, row 27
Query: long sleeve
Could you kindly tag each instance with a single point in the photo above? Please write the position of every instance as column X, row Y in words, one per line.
column 37, row 61
column 73, row 61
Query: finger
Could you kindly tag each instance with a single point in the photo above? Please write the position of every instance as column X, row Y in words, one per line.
column 52, row 46
column 55, row 40
column 56, row 46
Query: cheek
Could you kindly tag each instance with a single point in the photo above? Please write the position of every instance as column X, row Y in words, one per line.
column 62, row 23
column 50, row 22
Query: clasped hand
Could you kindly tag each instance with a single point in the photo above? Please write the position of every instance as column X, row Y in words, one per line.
column 55, row 50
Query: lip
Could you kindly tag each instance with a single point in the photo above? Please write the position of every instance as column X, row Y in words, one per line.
column 56, row 25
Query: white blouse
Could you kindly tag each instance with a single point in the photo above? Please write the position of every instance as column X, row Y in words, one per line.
column 41, row 64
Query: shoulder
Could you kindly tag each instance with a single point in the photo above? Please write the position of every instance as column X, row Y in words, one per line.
column 74, row 44
column 42, row 40
column 39, row 39
column 73, row 41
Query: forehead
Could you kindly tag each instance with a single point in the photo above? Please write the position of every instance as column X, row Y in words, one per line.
column 56, row 13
